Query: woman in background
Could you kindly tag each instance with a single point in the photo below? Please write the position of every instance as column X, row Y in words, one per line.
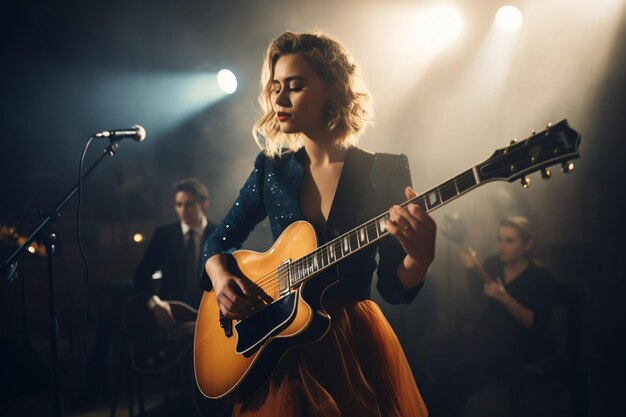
column 519, row 295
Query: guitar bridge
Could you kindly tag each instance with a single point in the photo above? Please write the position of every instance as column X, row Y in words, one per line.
column 227, row 325
column 284, row 287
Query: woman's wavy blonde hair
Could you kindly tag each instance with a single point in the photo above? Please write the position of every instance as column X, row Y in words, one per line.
column 523, row 228
column 349, row 108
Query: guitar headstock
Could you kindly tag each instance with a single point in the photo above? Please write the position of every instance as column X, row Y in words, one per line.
column 557, row 144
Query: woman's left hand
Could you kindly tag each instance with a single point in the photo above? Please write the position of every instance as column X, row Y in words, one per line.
column 496, row 290
column 415, row 230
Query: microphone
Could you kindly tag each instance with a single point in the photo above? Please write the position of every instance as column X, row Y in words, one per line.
column 136, row 133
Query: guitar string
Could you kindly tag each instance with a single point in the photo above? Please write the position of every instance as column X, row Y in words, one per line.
column 449, row 188
column 269, row 282
column 307, row 261
column 326, row 254
column 306, row 264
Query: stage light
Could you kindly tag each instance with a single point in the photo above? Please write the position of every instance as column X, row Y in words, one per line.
column 138, row 238
column 437, row 27
column 227, row 81
column 162, row 101
column 509, row 18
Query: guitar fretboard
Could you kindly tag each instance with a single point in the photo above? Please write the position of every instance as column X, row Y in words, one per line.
column 375, row 229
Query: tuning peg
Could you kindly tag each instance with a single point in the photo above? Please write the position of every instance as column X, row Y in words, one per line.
column 567, row 167
column 546, row 174
column 525, row 182
column 533, row 132
column 548, row 126
column 512, row 142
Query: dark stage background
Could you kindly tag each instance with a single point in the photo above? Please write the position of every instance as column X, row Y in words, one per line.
column 72, row 68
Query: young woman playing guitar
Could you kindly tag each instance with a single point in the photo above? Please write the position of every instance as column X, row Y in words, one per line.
column 310, row 169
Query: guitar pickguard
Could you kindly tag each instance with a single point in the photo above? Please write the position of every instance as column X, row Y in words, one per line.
column 254, row 330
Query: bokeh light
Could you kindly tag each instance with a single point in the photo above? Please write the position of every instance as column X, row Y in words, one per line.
column 227, row 81
column 509, row 18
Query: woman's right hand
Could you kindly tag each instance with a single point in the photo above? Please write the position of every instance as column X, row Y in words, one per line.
column 231, row 292
column 469, row 259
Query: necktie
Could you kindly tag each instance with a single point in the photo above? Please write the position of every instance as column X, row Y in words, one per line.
column 190, row 254
column 192, row 292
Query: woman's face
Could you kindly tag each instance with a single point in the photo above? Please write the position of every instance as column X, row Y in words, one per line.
column 299, row 96
column 511, row 247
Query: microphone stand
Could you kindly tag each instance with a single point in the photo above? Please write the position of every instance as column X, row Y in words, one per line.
column 8, row 270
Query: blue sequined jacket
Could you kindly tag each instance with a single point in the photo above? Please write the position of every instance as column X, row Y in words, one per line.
column 369, row 184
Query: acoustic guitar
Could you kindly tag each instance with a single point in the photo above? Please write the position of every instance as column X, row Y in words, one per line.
column 233, row 359
column 154, row 349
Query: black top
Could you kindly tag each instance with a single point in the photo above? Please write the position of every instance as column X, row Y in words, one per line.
column 536, row 289
column 369, row 184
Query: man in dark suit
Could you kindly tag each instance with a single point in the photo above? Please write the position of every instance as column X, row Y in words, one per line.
column 174, row 253
column 173, row 256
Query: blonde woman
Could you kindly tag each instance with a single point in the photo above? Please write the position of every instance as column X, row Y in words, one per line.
column 314, row 110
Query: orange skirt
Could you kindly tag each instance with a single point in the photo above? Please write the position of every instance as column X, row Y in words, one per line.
column 357, row 369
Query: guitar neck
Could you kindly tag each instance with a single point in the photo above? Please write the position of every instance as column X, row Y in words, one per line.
column 373, row 230
column 187, row 327
column 179, row 330
column 557, row 144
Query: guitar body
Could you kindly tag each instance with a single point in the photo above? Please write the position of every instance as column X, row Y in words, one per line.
column 233, row 367
column 151, row 349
